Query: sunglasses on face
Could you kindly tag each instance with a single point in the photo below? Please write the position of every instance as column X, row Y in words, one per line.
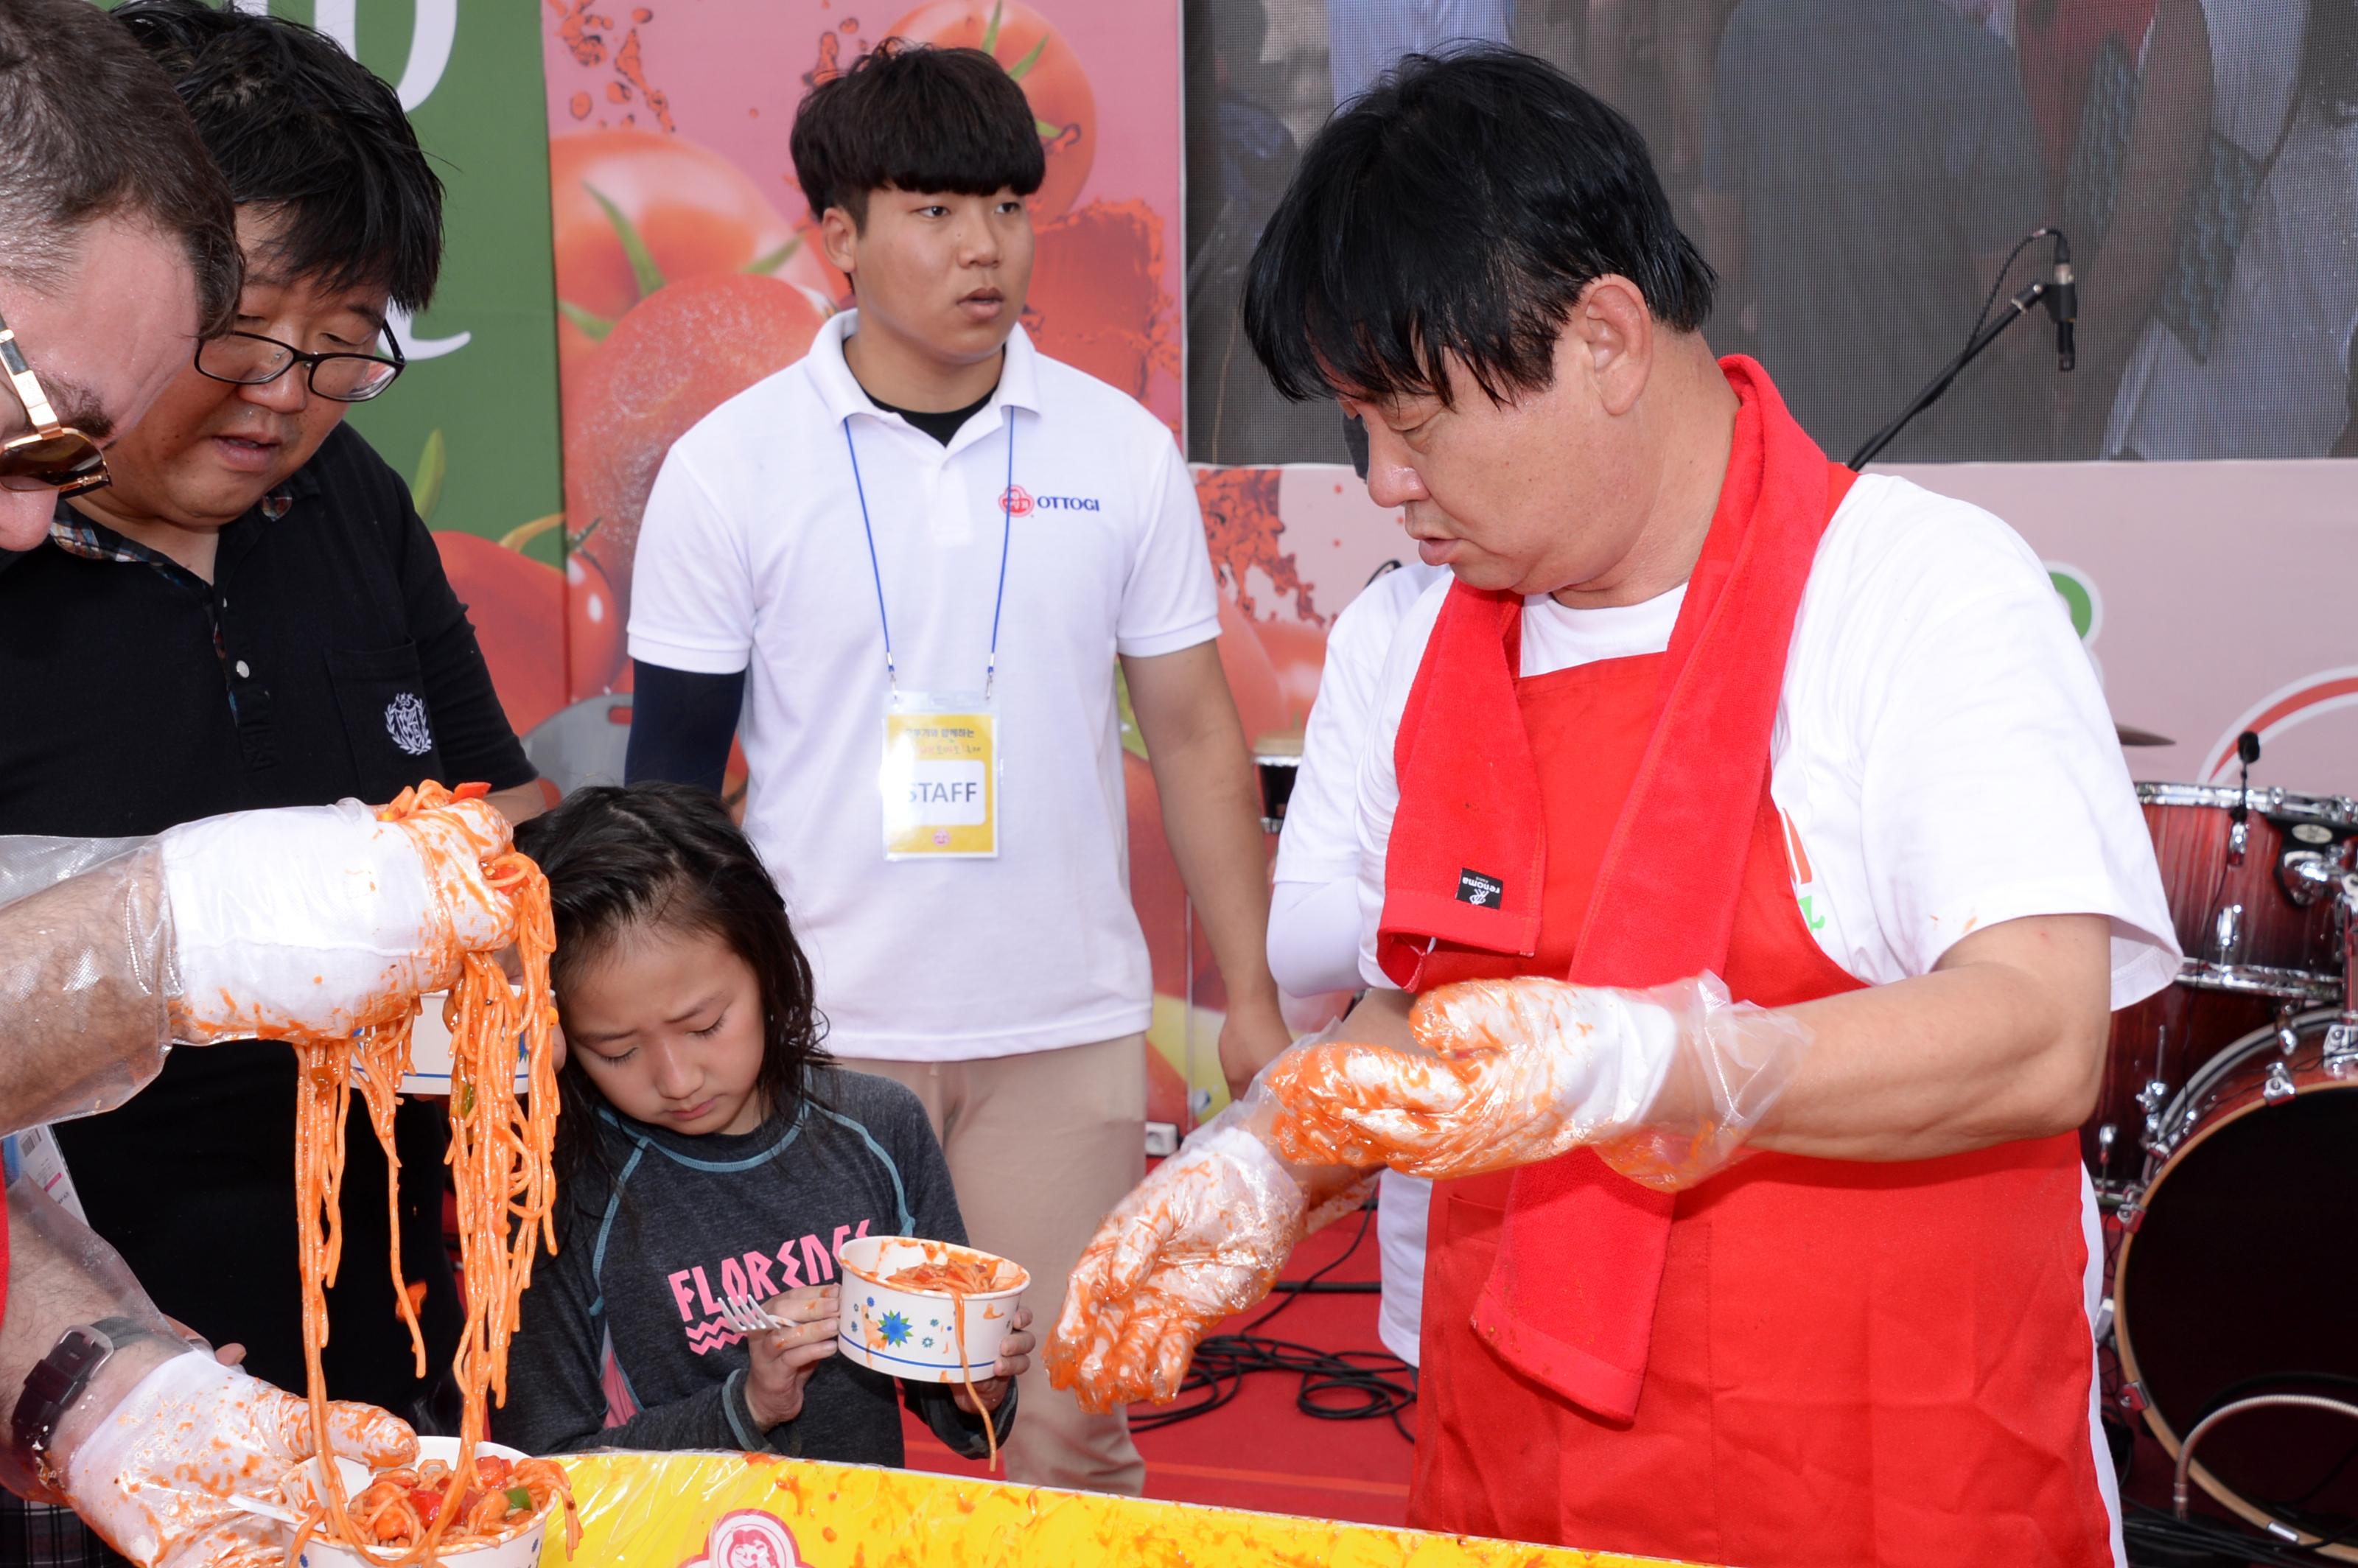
column 55, row 456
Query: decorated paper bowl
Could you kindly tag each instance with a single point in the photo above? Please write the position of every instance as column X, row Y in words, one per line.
column 429, row 1054
column 516, row 1552
column 913, row 1334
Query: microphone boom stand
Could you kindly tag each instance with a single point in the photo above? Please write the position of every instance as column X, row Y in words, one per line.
column 2016, row 308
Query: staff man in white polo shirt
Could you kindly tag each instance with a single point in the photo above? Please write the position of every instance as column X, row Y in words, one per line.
column 903, row 569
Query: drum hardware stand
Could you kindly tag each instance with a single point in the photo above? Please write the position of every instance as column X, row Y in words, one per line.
column 2178, row 1485
column 2239, row 836
column 2308, row 876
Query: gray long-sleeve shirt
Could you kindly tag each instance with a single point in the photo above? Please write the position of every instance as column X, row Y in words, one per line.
column 621, row 1342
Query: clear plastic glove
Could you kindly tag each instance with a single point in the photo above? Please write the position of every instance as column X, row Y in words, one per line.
column 1664, row 1084
column 1203, row 1237
column 85, row 970
column 152, row 1475
column 310, row 922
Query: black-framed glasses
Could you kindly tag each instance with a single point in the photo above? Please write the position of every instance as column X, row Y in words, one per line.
column 54, row 456
column 249, row 359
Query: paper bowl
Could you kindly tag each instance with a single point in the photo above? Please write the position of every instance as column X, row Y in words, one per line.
column 429, row 1054
column 516, row 1552
column 912, row 1335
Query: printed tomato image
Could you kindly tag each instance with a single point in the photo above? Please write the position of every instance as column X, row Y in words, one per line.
column 671, row 360
column 593, row 628
column 517, row 605
column 1038, row 57
column 633, row 210
column 1298, row 653
column 1097, row 302
column 1252, row 679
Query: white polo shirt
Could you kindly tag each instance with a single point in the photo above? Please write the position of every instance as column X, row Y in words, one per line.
column 752, row 557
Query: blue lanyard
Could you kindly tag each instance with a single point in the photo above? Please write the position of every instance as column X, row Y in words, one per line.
column 876, row 573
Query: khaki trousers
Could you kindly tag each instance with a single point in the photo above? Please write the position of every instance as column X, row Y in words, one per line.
column 1041, row 1146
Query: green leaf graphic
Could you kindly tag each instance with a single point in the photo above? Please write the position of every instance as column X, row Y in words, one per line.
column 775, row 259
column 1022, row 68
column 642, row 260
column 426, row 485
column 596, row 326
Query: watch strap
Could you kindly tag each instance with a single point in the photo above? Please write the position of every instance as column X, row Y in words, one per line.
column 52, row 1387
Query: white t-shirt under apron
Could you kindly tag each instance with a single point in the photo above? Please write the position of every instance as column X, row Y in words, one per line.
column 752, row 557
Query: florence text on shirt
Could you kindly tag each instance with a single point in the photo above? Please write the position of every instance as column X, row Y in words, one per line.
column 804, row 1260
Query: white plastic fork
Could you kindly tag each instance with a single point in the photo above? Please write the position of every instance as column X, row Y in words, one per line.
column 746, row 1315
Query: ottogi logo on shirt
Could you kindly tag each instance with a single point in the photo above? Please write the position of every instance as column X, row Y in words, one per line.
column 406, row 722
column 807, row 1260
column 1017, row 502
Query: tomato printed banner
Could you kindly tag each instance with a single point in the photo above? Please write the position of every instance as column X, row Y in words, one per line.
column 688, row 267
column 753, row 1511
column 686, row 262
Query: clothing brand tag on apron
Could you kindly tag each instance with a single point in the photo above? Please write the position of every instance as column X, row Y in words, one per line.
column 939, row 779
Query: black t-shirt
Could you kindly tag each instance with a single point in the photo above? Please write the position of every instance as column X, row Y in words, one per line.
column 327, row 658
column 943, row 427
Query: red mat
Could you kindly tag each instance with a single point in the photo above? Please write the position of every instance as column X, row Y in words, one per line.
column 1258, row 1451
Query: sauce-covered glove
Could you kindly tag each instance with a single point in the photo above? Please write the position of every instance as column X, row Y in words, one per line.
column 1665, row 1083
column 153, row 1474
column 1204, row 1236
column 308, row 922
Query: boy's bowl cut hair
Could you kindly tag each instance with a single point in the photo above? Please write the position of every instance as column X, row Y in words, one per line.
column 915, row 117
column 1456, row 210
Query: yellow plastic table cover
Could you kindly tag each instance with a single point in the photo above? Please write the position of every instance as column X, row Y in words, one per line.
column 738, row 1510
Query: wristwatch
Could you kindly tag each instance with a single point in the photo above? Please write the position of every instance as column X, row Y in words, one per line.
column 51, row 1387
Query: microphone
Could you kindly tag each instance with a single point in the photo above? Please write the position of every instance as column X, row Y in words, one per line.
column 2063, row 303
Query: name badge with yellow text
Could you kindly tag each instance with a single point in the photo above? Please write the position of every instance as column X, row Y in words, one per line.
column 939, row 781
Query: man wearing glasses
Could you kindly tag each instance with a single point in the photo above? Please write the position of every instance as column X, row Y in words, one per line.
column 252, row 615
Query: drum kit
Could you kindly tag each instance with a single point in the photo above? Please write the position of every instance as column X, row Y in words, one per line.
column 2224, row 1148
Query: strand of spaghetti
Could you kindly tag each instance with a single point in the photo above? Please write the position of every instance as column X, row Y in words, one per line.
column 314, row 1095
column 966, row 1371
column 384, row 1050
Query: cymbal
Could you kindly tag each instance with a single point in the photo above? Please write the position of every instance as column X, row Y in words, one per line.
column 2132, row 735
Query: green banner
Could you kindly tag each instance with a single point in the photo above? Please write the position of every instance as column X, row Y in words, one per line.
column 473, row 420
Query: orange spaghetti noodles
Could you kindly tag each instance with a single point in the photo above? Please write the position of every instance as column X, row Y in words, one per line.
column 500, row 1152
column 958, row 1278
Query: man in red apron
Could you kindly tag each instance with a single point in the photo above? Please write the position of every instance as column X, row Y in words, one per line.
column 1774, row 828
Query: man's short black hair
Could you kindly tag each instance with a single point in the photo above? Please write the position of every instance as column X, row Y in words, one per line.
column 915, row 117
column 90, row 129
column 1457, row 208
column 301, row 128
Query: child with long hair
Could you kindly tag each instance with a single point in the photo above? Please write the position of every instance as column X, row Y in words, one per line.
column 708, row 1147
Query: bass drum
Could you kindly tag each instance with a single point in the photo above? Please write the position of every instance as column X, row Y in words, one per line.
column 2237, row 1275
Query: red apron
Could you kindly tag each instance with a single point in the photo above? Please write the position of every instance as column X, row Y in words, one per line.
column 1850, row 1363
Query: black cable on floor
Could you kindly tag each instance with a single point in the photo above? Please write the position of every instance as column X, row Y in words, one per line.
column 2157, row 1539
column 1336, row 1385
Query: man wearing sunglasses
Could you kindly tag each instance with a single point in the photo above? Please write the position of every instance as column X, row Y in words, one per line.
column 240, row 608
